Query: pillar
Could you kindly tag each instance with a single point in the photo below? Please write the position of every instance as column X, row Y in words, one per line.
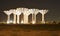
column 33, row 18
column 8, row 20
column 14, row 19
column 25, row 19
column 43, row 18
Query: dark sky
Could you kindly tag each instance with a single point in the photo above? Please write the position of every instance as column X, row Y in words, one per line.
column 52, row 5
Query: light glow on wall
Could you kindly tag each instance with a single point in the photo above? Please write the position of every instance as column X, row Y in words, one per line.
column 22, row 22
column 8, row 22
column 33, row 22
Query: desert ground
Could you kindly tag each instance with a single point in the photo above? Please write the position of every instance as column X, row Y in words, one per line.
column 29, row 30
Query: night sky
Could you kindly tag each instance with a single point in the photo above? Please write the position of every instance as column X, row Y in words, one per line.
column 52, row 5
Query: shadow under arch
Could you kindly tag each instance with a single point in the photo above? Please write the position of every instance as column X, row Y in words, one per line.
column 38, row 17
column 12, row 17
column 30, row 18
column 21, row 17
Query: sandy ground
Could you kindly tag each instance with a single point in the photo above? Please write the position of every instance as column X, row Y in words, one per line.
column 29, row 30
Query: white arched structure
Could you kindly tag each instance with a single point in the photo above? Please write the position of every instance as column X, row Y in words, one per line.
column 26, row 12
column 36, row 11
column 14, row 12
column 18, row 13
column 43, row 12
column 8, row 13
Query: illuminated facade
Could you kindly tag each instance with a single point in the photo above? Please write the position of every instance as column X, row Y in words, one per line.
column 26, row 12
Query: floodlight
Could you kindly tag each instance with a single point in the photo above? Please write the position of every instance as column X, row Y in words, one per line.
column 11, row 21
column 8, row 22
column 33, row 22
column 22, row 22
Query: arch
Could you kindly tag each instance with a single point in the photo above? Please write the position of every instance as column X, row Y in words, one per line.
column 21, row 17
column 12, row 16
column 38, row 17
column 30, row 18
column 36, row 13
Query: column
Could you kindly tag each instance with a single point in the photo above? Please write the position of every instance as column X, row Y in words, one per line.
column 8, row 20
column 14, row 19
column 43, row 18
column 25, row 19
column 33, row 18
